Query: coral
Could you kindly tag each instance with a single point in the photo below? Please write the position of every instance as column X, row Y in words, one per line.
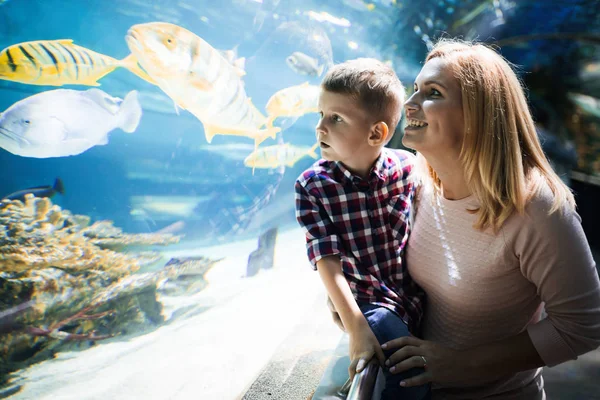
column 54, row 331
column 65, row 283
column 38, row 235
column 60, row 279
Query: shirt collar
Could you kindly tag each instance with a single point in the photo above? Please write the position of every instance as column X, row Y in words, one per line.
column 377, row 173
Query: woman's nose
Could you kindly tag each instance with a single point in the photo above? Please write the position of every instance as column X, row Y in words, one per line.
column 411, row 104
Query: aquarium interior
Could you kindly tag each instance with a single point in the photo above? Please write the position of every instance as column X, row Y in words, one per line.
column 149, row 247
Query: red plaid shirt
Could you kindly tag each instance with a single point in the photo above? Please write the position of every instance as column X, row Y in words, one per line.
column 366, row 223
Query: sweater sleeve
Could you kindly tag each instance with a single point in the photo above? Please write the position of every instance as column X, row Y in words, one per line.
column 555, row 256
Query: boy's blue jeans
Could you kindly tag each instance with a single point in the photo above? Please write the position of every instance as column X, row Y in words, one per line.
column 386, row 326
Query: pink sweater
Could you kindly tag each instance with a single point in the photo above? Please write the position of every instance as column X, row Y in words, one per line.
column 483, row 287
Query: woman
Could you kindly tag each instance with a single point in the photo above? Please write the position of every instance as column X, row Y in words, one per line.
column 496, row 239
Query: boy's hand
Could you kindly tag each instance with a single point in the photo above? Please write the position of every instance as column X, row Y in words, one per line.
column 335, row 315
column 363, row 346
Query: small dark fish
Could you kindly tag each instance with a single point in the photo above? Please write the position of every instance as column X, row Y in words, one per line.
column 38, row 191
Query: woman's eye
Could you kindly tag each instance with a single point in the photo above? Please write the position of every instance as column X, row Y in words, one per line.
column 435, row 92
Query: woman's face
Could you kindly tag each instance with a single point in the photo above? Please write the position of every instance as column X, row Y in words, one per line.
column 434, row 113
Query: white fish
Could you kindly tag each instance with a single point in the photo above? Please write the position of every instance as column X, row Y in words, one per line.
column 65, row 122
column 304, row 65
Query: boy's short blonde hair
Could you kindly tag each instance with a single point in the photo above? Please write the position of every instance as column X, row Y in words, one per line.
column 373, row 84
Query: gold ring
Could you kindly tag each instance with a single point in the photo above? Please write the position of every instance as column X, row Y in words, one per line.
column 424, row 361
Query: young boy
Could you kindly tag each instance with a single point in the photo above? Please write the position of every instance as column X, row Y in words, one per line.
column 354, row 206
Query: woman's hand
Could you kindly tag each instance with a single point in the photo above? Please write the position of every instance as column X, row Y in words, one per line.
column 363, row 345
column 442, row 364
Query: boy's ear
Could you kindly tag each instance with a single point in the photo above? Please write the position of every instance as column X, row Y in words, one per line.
column 379, row 133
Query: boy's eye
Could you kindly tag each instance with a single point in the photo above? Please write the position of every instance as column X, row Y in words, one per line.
column 336, row 118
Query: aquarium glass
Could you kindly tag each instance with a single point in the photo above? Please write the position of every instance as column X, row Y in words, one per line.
column 148, row 240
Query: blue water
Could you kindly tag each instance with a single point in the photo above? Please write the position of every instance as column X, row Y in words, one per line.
column 168, row 154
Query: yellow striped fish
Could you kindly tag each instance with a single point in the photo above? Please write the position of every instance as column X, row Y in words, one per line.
column 199, row 79
column 60, row 62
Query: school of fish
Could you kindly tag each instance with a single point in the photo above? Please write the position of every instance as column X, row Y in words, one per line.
column 205, row 81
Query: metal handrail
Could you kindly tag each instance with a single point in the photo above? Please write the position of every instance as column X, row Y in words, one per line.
column 363, row 384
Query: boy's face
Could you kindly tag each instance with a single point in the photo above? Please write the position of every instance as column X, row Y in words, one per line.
column 343, row 130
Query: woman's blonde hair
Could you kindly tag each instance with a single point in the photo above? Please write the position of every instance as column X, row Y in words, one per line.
column 502, row 157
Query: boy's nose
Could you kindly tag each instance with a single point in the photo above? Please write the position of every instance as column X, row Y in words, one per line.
column 319, row 128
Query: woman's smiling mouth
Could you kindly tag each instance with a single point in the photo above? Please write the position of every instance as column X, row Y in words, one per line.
column 414, row 124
